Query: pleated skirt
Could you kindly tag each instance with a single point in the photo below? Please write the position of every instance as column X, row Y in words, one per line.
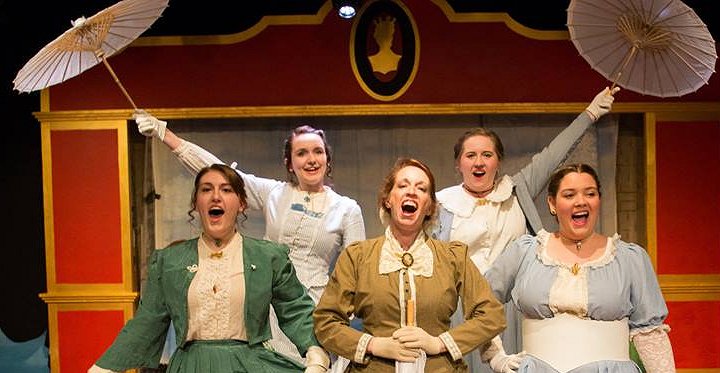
column 229, row 356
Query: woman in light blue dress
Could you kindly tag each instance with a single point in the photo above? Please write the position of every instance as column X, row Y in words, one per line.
column 583, row 295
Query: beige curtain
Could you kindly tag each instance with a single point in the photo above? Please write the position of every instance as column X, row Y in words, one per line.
column 364, row 148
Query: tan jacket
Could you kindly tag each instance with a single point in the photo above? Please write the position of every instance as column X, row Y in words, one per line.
column 357, row 287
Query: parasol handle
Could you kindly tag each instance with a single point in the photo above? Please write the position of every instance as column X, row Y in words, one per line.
column 629, row 56
column 117, row 81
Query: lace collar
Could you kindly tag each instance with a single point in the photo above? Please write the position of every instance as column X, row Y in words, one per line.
column 608, row 255
column 462, row 204
column 418, row 258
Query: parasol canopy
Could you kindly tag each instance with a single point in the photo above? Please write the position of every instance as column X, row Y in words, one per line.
column 89, row 42
column 654, row 47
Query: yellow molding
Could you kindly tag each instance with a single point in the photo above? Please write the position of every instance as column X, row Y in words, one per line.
column 266, row 21
column 503, row 18
column 688, row 116
column 690, row 287
column 48, row 205
column 651, row 188
column 47, row 126
column 707, row 109
column 88, row 297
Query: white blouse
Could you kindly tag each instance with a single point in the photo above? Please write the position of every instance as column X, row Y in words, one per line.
column 487, row 224
column 216, row 296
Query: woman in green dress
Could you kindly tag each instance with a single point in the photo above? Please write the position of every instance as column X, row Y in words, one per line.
column 203, row 286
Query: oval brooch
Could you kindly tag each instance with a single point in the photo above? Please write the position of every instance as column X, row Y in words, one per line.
column 407, row 259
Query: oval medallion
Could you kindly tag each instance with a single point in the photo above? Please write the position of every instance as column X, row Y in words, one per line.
column 384, row 49
column 407, row 259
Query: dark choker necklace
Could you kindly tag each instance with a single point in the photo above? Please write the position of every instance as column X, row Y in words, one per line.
column 216, row 241
column 481, row 194
column 578, row 243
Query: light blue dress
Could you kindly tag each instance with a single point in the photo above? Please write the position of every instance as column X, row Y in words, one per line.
column 621, row 284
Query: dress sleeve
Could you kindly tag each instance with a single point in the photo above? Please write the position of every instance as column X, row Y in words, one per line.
column 195, row 158
column 292, row 304
column 333, row 312
column 353, row 225
column 649, row 308
column 535, row 175
column 141, row 341
column 484, row 317
column 504, row 270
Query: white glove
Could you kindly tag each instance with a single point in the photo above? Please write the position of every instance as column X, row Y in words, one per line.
column 316, row 360
column 414, row 337
column 148, row 125
column 602, row 103
column 97, row 369
column 502, row 363
column 391, row 348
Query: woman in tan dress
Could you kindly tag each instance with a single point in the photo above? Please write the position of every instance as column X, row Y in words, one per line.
column 405, row 286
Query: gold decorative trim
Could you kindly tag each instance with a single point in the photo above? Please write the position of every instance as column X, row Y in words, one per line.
column 315, row 19
column 651, row 188
column 688, row 116
column 690, row 287
column 699, row 370
column 500, row 17
column 48, row 216
column 88, row 297
column 120, row 125
column 703, row 108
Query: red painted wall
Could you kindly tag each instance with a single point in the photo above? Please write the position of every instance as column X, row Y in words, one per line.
column 82, row 341
column 310, row 65
column 688, row 171
column 86, row 206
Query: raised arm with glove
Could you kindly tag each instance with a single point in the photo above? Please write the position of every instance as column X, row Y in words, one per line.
column 602, row 103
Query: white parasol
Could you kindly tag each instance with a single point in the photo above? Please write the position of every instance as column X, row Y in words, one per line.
column 655, row 47
column 89, row 42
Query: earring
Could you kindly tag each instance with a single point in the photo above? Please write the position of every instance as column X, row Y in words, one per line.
column 552, row 212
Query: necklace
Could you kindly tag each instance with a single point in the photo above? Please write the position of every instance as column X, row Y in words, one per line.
column 479, row 195
column 578, row 243
column 575, row 269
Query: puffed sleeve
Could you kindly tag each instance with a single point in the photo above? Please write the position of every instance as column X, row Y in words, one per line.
column 292, row 304
column 141, row 341
column 649, row 308
column 484, row 315
column 332, row 314
column 506, row 267
column 353, row 224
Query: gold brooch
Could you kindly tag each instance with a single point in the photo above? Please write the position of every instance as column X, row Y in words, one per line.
column 481, row 201
column 216, row 255
column 407, row 259
column 575, row 269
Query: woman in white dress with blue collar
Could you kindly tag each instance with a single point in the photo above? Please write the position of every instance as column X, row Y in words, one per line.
column 314, row 221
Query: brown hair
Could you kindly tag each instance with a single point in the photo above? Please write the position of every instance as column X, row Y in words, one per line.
column 389, row 182
column 287, row 152
column 236, row 183
column 559, row 174
column 479, row 131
